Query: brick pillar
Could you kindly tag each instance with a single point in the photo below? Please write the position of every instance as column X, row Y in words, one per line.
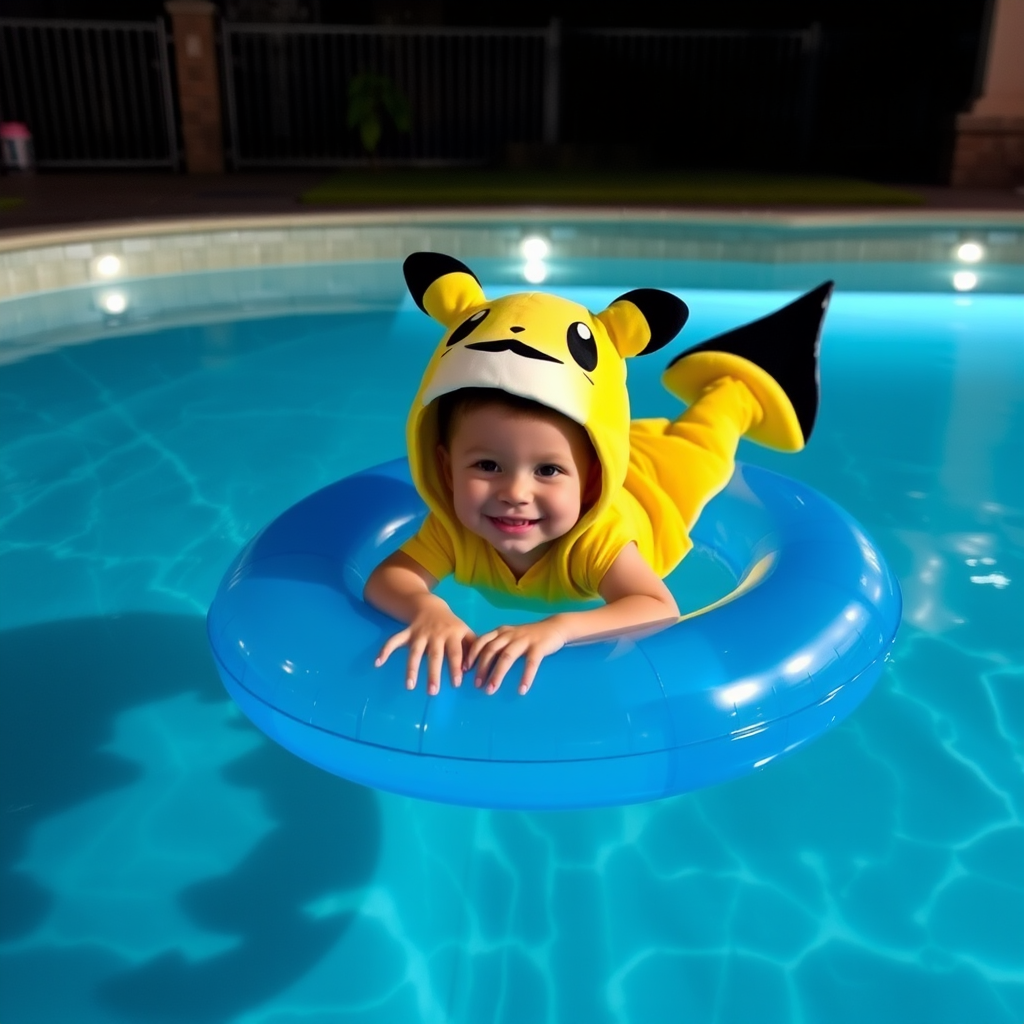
column 195, row 58
column 990, row 138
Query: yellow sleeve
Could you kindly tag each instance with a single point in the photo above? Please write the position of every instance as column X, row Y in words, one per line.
column 432, row 548
column 594, row 551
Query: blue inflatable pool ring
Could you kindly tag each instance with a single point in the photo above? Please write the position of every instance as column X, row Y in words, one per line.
column 792, row 650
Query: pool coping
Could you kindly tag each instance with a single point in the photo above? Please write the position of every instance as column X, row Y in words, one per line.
column 18, row 239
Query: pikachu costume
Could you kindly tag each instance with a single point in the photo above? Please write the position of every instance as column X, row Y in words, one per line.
column 759, row 381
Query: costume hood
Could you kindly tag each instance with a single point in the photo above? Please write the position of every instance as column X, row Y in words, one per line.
column 540, row 347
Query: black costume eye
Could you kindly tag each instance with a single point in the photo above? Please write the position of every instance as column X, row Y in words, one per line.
column 582, row 346
column 467, row 327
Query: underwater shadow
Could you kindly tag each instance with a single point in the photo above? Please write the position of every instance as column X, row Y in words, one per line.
column 326, row 841
column 64, row 686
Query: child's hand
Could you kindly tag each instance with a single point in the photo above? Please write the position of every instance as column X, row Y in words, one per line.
column 440, row 633
column 498, row 649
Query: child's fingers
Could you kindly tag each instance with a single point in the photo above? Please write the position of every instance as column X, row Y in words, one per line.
column 477, row 646
column 391, row 645
column 435, row 659
column 467, row 645
column 530, row 672
column 502, row 663
column 486, row 659
column 443, row 649
column 453, row 649
column 412, row 665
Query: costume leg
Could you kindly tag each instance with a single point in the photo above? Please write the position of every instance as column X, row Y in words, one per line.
column 776, row 357
column 759, row 380
column 692, row 458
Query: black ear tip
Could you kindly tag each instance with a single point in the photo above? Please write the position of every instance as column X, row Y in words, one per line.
column 422, row 269
column 666, row 314
column 411, row 261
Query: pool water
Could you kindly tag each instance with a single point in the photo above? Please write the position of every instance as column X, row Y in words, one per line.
column 163, row 861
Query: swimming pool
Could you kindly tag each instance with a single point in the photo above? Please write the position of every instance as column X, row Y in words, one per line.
column 164, row 862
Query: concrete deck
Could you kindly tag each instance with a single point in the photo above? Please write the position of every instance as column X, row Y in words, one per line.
column 79, row 199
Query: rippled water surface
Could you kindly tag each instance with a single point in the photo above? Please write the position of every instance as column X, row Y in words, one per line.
column 163, row 861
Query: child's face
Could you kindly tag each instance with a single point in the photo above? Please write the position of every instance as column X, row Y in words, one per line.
column 518, row 480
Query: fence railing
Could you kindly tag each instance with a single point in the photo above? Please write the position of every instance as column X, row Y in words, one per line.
column 473, row 91
column 470, row 91
column 100, row 93
column 95, row 93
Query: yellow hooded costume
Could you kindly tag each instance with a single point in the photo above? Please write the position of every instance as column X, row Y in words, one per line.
column 656, row 474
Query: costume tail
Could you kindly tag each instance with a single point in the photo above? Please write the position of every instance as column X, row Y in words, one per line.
column 776, row 357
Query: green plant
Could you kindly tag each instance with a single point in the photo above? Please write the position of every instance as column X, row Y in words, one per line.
column 369, row 97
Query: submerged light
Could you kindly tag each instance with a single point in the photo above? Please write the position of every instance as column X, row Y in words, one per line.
column 535, row 271
column 970, row 252
column 109, row 265
column 534, row 248
column 114, row 302
column 964, row 280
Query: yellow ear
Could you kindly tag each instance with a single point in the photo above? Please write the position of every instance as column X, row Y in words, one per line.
column 451, row 296
column 442, row 286
column 627, row 327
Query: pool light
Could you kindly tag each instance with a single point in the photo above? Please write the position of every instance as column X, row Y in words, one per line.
column 534, row 249
column 114, row 302
column 964, row 280
column 108, row 266
column 535, row 271
column 970, row 252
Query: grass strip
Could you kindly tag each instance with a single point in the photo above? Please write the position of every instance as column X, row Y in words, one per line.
column 480, row 186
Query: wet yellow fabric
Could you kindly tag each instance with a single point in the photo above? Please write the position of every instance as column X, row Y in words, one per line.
column 674, row 468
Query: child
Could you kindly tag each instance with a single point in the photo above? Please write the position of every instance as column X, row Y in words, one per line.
column 537, row 482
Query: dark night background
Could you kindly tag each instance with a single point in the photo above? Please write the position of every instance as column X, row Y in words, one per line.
column 888, row 81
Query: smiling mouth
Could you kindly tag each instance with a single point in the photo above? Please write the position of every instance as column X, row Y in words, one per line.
column 509, row 525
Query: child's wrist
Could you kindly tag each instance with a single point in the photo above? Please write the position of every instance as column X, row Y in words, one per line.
column 562, row 625
column 428, row 600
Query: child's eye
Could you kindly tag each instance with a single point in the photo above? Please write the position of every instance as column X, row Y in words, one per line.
column 487, row 465
column 548, row 470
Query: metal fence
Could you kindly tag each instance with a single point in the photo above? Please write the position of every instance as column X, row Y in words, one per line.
column 693, row 96
column 100, row 93
column 95, row 94
column 470, row 91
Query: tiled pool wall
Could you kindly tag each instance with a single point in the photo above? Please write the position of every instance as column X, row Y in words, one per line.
column 48, row 261
column 62, row 287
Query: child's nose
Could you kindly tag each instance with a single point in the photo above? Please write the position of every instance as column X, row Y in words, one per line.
column 516, row 488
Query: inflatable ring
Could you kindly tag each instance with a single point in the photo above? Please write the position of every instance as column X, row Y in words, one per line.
column 792, row 650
